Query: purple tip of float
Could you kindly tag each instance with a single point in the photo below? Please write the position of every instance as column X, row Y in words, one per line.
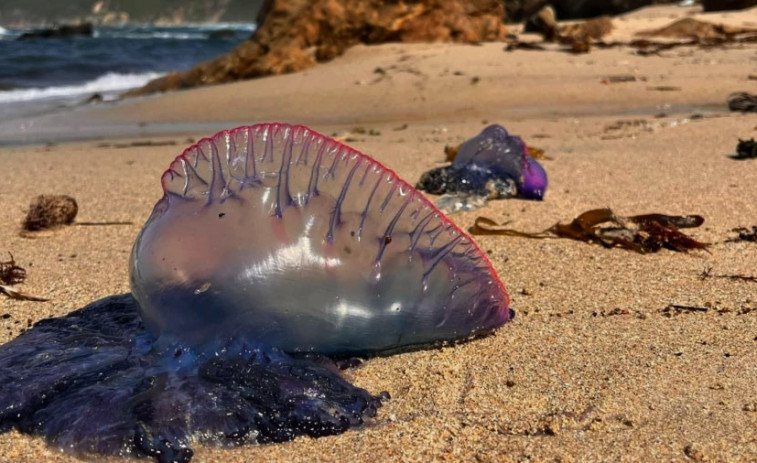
column 534, row 183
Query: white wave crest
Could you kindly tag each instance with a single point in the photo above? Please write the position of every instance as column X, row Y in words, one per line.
column 110, row 82
column 235, row 26
column 142, row 35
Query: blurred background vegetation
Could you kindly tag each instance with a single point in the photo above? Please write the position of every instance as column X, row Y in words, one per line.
column 20, row 13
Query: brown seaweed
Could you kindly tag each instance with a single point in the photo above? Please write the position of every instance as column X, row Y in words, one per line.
column 12, row 274
column 640, row 233
column 744, row 234
column 676, row 309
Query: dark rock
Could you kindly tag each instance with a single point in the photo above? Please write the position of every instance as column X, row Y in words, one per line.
column 746, row 149
column 94, row 98
column 223, row 34
column 296, row 34
column 578, row 35
column 576, row 9
column 62, row 31
column 519, row 10
column 593, row 29
column 544, row 22
column 721, row 5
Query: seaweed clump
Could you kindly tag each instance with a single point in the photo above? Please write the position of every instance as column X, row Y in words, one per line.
column 10, row 275
column 746, row 149
column 50, row 211
column 640, row 233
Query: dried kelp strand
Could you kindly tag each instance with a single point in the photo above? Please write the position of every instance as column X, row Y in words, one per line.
column 640, row 233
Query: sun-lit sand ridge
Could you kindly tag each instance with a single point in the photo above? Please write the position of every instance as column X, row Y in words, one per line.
column 591, row 368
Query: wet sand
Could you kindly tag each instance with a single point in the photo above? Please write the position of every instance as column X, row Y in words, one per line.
column 593, row 368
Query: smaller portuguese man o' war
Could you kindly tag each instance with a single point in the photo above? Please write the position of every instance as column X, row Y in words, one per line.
column 273, row 250
column 491, row 165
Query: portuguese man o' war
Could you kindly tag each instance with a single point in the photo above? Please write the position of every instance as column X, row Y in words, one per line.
column 272, row 247
column 493, row 164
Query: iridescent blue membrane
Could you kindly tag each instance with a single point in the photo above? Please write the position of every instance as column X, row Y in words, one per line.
column 96, row 382
column 271, row 247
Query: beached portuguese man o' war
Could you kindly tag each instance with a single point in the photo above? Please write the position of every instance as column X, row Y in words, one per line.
column 272, row 248
column 493, row 164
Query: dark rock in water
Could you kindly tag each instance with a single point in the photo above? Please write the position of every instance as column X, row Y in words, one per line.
column 62, row 31
column 721, row 5
column 493, row 164
column 223, row 34
column 290, row 30
column 94, row 98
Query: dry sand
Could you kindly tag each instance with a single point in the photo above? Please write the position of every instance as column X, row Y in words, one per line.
column 591, row 369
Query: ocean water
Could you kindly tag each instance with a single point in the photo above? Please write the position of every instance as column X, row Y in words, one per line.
column 40, row 76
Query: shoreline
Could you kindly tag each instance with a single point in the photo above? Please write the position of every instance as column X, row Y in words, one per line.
column 534, row 93
column 55, row 134
column 422, row 82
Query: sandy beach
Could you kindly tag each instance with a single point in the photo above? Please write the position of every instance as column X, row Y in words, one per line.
column 593, row 367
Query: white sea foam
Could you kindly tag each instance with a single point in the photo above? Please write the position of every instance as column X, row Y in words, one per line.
column 183, row 32
column 142, row 35
column 235, row 26
column 110, row 82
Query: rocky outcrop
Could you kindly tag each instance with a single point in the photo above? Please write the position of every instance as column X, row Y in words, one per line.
column 690, row 28
column 720, row 5
column 296, row 34
column 62, row 31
